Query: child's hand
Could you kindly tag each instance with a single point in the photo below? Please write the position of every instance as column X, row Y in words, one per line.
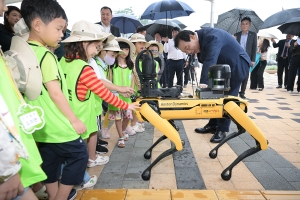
column 11, row 188
column 126, row 91
column 133, row 106
column 79, row 126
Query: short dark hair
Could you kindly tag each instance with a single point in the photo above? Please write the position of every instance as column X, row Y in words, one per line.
column 46, row 10
column 183, row 35
column 140, row 29
column 175, row 29
column 246, row 18
column 6, row 23
column 106, row 8
column 75, row 50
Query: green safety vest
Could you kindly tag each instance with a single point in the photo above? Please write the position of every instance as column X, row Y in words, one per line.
column 30, row 172
column 57, row 127
column 84, row 110
column 121, row 77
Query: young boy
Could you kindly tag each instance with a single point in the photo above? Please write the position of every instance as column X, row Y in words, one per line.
column 20, row 167
column 59, row 140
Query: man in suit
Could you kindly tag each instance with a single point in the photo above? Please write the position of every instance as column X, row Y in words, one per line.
column 248, row 41
column 282, row 59
column 106, row 15
column 216, row 46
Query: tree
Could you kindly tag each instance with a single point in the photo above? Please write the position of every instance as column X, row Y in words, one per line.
column 129, row 11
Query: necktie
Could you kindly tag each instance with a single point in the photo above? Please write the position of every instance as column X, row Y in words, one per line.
column 285, row 52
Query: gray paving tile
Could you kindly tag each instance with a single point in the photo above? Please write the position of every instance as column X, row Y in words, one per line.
column 117, row 167
column 184, row 158
column 296, row 185
column 193, row 184
column 124, row 156
column 290, row 174
column 139, row 143
column 273, row 181
column 135, row 184
column 109, row 181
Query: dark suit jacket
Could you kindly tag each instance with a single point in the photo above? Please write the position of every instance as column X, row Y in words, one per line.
column 219, row 47
column 5, row 38
column 251, row 45
column 281, row 44
column 113, row 30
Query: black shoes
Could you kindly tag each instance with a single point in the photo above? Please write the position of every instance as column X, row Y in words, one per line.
column 242, row 96
column 101, row 150
column 218, row 137
column 285, row 87
column 260, row 89
column 206, row 129
column 72, row 194
column 102, row 142
column 100, row 147
column 279, row 86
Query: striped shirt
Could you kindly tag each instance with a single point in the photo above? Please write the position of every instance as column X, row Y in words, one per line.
column 88, row 80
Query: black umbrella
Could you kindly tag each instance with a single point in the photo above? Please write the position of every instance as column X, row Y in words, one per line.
column 162, row 26
column 280, row 17
column 230, row 20
column 126, row 23
column 179, row 23
column 292, row 26
column 167, row 9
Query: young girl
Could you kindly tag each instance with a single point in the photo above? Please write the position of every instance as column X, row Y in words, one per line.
column 85, row 42
column 100, row 66
column 140, row 44
column 121, row 74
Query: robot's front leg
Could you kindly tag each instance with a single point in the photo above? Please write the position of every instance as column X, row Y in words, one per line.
column 164, row 127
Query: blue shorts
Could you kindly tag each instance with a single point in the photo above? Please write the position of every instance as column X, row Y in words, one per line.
column 73, row 153
column 20, row 196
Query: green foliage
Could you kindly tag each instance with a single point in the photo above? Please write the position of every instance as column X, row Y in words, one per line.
column 271, row 67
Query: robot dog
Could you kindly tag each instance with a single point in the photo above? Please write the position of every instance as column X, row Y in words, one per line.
column 161, row 106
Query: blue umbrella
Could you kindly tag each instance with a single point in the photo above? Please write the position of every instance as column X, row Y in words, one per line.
column 126, row 23
column 168, row 9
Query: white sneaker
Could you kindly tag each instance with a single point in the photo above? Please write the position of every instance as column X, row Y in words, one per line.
column 42, row 193
column 141, row 124
column 130, row 131
column 88, row 184
column 138, row 129
column 100, row 160
column 105, row 133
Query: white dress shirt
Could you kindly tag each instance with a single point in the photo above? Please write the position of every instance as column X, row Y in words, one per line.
column 106, row 29
column 173, row 53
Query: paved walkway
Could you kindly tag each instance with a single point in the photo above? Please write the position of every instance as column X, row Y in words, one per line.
column 275, row 111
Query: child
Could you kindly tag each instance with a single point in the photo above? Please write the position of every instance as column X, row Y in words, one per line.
column 59, row 140
column 121, row 74
column 82, row 82
column 157, row 49
column 100, row 65
column 19, row 157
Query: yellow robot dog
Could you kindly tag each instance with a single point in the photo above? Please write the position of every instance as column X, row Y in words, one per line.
column 161, row 106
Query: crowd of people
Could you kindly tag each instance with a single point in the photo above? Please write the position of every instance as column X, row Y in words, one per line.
column 89, row 73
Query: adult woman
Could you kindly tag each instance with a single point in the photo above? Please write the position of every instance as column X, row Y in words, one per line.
column 257, row 78
column 11, row 17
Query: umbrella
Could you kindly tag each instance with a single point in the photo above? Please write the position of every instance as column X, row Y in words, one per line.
column 167, row 9
column 206, row 25
column 126, row 23
column 265, row 34
column 292, row 26
column 162, row 26
column 230, row 20
column 280, row 17
column 179, row 23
